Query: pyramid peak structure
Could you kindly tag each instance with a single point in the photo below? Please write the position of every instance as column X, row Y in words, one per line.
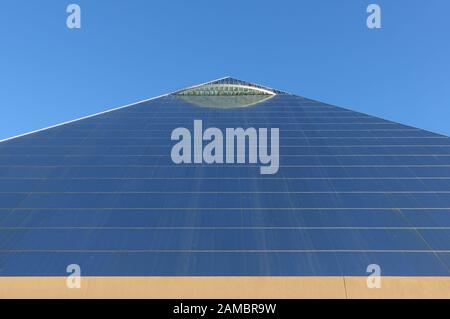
column 227, row 93
column 168, row 195
column 232, row 82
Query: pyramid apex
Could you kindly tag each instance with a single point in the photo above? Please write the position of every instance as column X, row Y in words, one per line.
column 228, row 80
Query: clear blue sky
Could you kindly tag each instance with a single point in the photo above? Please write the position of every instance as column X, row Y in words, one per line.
column 132, row 50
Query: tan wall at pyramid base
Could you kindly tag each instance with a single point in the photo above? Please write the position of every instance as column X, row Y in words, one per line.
column 224, row 287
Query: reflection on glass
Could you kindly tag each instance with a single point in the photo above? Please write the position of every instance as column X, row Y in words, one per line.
column 224, row 95
column 225, row 102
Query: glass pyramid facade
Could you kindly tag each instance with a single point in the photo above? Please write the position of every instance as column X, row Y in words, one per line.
column 102, row 192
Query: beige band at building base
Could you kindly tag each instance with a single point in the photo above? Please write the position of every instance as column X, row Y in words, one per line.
column 224, row 287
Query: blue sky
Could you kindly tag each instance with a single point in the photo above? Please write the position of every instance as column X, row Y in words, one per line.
column 132, row 50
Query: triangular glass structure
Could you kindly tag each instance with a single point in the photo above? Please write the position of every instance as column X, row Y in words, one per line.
column 103, row 192
column 257, row 89
column 226, row 93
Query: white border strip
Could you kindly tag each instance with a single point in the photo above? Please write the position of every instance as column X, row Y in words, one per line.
column 103, row 112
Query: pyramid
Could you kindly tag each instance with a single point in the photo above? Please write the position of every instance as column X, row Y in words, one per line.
column 102, row 192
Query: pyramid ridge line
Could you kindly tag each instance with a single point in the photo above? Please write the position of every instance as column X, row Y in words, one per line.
column 104, row 112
